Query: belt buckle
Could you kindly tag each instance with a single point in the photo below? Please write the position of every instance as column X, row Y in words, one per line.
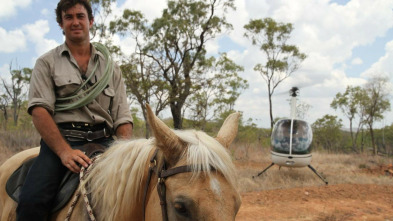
column 89, row 133
column 106, row 134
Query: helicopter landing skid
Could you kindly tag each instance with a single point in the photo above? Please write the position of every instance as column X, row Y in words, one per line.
column 309, row 166
column 319, row 175
column 260, row 173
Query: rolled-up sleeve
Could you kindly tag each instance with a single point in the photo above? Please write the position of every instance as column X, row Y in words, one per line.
column 121, row 113
column 41, row 91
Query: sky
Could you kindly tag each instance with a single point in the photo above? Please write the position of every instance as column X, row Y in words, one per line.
column 346, row 42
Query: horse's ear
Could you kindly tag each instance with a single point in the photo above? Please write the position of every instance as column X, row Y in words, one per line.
column 166, row 139
column 228, row 130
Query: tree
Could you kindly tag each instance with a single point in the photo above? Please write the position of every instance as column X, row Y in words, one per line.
column 282, row 59
column 142, row 76
column 350, row 105
column 14, row 91
column 217, row 89
column 376, row 102
column 327, row 133
column 170, row 53
column 3, row 107
column 102, row 10
column 143, row 83
column 177, row 42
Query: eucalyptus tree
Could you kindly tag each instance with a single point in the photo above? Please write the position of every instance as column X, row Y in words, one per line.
column 3, row 108
column 375, row 103
column 327, row 132
column 177, row 42
column 170, row 52
column 16, row 90
column 216, row 90
column 349, row 103
column 141, row 73
column 282, row 59
column 102, row 12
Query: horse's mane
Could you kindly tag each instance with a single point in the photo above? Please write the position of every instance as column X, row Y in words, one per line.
column 116, row 179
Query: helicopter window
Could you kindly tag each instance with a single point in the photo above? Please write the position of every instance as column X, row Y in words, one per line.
column 301, row 137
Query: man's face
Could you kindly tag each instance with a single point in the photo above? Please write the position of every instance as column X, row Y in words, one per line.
column 76, row 23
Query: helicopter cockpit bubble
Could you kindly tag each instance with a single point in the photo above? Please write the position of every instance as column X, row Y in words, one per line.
column 301, row 137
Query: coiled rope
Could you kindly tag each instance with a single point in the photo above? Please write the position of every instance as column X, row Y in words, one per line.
column 89, row 94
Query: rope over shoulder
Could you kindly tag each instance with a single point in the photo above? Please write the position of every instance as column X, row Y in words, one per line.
column 82, row 96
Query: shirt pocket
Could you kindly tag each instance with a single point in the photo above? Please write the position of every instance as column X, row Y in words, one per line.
column 66, row 85
column 105, row 99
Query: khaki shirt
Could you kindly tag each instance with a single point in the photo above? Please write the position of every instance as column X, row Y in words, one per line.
column 56, row 74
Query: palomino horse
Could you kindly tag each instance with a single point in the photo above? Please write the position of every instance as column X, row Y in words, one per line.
column 192, row 178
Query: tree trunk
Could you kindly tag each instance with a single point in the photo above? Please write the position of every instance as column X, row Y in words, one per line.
column 372, row 140
column 5, row 118
column 16, row 112
column 271, row 113
column 176, row 114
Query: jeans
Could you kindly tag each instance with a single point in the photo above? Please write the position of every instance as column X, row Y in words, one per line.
column 42, row 182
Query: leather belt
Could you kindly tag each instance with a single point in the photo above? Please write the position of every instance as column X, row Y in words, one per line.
column 86, row 135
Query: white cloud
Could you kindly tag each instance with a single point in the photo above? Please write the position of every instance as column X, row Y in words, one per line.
column 384, row 65
column 357, row 61
column 45, row 12
column 9, row 7
column 4, row 70
column 328, row 33
column 11, row 41
column 151, row 9
column 36, row 33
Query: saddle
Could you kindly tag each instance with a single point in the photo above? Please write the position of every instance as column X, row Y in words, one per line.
column 69, row 183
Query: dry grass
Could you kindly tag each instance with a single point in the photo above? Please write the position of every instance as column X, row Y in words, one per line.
column 336, row 168
column 252, row 159
column 5, row 153
column 334, row 216
column 12, row 142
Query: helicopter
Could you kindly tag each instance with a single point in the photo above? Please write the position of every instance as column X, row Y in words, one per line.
column 291, row 141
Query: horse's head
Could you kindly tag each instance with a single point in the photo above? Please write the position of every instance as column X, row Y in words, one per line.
column 199, row 178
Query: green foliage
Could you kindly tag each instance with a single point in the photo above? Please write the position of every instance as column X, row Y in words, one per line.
column 375, row 103
column 14, row 92
column 350, row 104
column 327, row 133
column 282, row 59
column 170, row 53
column 177, row 44
column 101, row 12
column 217, row 89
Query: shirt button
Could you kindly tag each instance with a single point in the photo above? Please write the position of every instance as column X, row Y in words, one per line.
column 69, row 81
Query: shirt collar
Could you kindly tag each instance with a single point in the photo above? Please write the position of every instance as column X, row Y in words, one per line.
column 94, row 52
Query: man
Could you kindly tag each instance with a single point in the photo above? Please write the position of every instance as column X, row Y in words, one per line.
column 72, row 68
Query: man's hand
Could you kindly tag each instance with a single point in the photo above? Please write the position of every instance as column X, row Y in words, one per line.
column 49, row 132
column 72, row 159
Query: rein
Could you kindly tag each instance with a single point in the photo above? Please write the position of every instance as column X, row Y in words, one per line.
column 162, row 174
column 84, row 173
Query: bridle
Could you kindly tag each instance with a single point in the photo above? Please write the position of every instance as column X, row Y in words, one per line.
column 162, row 173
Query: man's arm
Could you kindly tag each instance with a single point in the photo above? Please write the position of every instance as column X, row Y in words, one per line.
column 49, row 132
column 124, row 131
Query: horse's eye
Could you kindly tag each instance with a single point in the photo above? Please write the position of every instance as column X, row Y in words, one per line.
column 181, row 209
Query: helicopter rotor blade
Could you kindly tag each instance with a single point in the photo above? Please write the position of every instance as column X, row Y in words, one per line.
column 298, row 87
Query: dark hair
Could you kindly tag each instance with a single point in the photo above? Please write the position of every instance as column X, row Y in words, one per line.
column 64, row 5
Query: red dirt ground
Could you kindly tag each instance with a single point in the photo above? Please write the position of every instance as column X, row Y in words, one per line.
column 329, row 203
column 340, row 202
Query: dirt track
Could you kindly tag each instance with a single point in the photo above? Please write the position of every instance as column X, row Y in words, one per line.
column 330, row 203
